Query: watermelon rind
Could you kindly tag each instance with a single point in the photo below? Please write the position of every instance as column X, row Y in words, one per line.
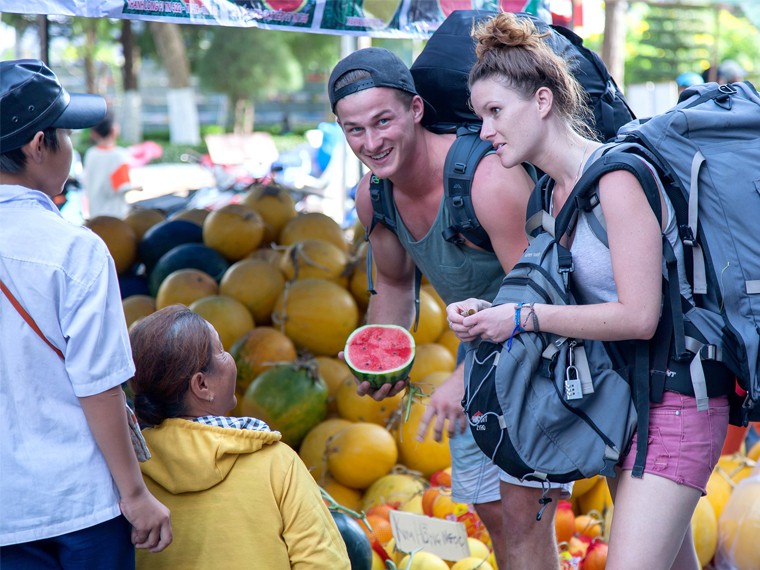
column 378, row 378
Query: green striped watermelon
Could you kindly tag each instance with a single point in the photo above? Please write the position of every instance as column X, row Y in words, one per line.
column 380, row 354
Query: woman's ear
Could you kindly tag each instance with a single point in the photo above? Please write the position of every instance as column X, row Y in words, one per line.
column 544, row 99
column 198, row 386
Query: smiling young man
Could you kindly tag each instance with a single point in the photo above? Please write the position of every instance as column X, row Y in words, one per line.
column 373, row 96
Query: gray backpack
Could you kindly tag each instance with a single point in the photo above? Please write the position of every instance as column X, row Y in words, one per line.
column 543, row 407
column 705, row 152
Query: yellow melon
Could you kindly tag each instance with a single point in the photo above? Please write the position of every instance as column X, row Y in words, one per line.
column 318, row 315
column 137, row 307
column 185, row 286
column 426, row 456
column 234, row 230
column 272, row 255
column 736, row 466
column 257, row 350
column 256, row 284
column 423, row 561
column 704, row 529
column 356, row 408
column 450, row 340
column 432, row 381
column 315, row 258
column 333, row 371
column 754, row 451
column 119, row 237
column 582, row 486
column 230, row 317
column 431, row 357
column 313, row 446
column 430, row 290
column 313, row 225
column 196, row 215
column 719, row 487
column 343, row 495
column 360, row 454
column 739, row 528
column 597, row 498
column 357, row 284
column 432, row 319
column 274, row 204
column 394, row 488
column 142, row 219
column 473, row 563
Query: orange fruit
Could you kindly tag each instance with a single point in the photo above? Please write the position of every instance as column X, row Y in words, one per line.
column 142, row 219
column 230, row 317
column 382, row 510
column 137, row 307
column 379, row 527
column 196, row 215
column 394, row 488
column 356, row 408
column 360, row 454
column 274, row 204
column 234, row 230
column 441, row 478
column 316, row 258
column 588, row 525
column 314, row 444
column 313, row 225
column 256, row 284
column 426, row 456
column 428, row 358
column 119, row 237
column 564, row 521
column 428, row 499
column 444, row 507
column 432, row 319
column 185, row 286
column 318, row 315
column 258, row 350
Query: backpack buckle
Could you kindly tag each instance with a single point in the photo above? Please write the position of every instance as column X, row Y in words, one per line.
column 687, row 235
column 460, row 167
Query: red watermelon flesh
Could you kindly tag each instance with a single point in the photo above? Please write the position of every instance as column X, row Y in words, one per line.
column 380, row 354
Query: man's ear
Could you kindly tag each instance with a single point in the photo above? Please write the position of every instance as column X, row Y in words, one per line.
column 545, row 100
column 418, row 108
column 35, row 148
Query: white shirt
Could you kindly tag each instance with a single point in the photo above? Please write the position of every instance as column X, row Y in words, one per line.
column 53, row 478
column 106, row 178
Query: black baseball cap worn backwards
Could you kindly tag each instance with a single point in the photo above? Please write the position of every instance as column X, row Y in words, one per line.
column 32, row 99
column 385, row 70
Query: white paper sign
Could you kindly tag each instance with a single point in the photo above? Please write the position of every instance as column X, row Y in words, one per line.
column 443, row 538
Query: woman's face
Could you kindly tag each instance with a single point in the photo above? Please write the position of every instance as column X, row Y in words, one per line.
column 221, row 377
column 510, row 122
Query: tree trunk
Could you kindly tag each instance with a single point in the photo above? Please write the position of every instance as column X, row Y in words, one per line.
column 130, row 112
column 613, row 48
column 90, row 44
column 44, row 27
column 244, row 117
column 184, row 126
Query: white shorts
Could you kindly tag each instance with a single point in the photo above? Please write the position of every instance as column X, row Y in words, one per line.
column 475, row 479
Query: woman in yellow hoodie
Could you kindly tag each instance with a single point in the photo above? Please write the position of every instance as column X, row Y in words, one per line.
column 239, row 498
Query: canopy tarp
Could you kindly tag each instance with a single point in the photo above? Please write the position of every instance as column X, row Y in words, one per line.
column 375, row 18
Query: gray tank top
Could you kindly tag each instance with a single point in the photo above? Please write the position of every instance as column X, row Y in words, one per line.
column 455, row 271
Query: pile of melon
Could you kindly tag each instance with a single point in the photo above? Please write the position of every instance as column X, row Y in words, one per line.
column 285, row 290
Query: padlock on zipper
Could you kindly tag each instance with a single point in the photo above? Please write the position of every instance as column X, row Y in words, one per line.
column 573, row 385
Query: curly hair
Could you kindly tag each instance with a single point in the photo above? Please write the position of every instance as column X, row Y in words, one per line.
column 511, row 51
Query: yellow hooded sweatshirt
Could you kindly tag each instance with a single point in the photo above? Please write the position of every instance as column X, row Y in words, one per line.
column 238, row 499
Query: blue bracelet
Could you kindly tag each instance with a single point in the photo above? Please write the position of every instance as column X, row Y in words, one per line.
column 518, row 323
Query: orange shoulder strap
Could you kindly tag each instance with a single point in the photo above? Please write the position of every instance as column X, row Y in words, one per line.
column 28, row 318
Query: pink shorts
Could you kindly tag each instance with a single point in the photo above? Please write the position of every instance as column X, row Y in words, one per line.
column 684, row 444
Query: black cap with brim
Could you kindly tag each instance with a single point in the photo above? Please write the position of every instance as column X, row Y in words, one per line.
column 32, row 99
column 385, row 69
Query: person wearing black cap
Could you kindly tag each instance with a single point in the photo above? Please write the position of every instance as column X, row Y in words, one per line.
column 373, row 95
column 71, row 491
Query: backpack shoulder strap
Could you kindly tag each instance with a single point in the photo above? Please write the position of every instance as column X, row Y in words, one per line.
column 537, row 216
column 458, row 171
column 383, row 208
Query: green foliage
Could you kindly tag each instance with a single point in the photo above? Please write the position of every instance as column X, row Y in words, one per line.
column 664, row 41
column 249, row 63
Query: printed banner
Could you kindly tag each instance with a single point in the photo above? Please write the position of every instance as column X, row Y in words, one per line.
column 374, row 18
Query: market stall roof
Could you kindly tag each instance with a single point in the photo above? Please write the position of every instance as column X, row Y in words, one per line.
column 375, row 18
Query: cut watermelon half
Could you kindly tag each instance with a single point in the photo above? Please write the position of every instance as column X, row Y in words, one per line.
column 380, row 354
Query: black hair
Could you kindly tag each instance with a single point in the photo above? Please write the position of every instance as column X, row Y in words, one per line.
column 105, row 127
column 14, row 161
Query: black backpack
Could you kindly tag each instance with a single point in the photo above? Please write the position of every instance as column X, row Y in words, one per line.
column 440, row 74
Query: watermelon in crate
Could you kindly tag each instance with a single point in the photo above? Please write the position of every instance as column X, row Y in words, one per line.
column 380, row 354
